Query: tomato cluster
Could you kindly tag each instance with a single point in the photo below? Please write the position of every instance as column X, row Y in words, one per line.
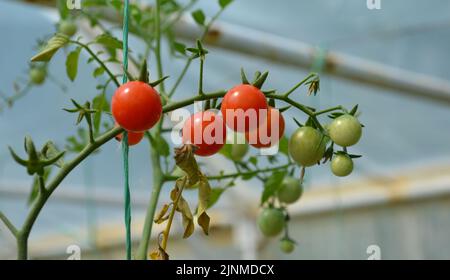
column 245, row 110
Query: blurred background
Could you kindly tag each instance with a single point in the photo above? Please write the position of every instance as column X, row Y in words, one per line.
column 392, row 61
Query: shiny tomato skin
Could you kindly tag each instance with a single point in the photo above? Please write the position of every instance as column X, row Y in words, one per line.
column 136, row 106
column 273, row 115
column 207, row 131
column 245, row 97
column 133, row 137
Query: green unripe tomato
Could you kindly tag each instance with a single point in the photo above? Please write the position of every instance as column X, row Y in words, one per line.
column 341, row 165
column 290, row 190
column 271, row 221
column 67, row 27
column 238, row 151
column 287, row 245
column 345, row 130
column 37, row 76
column 307, row 146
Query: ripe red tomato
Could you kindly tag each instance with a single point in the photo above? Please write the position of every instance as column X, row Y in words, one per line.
column 207, row 131
column 240, row 107
column 133, row 137
column 136, row 106
column 261, row 137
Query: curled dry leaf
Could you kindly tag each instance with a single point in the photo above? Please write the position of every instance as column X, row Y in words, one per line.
column 204, row 193
column 183, row 208
column 161, row 217
column 159, row 254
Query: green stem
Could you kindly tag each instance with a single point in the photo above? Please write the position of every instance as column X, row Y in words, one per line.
column 328, row 110
column 158, row 181
column 286, row 99
column 158, row 43
column 298, row 85
column 99, row 61
column 237, row 174
column 190, row 59
column 8, row 224
column 180, row 77
column 200, row 80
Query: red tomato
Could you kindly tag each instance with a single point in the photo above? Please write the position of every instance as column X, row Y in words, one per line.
column 240, row 107
column 136, row 106
column 133, row 137
column 207, row 131
column 262, row 136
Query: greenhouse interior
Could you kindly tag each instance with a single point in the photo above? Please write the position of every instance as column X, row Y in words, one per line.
column 386, row 57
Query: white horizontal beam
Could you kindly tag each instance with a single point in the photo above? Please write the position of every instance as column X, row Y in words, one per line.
column 299, row 54
column 295, row 53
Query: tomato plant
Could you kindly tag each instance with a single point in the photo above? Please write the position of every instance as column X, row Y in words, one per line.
column 136, row 106
column 139, row 105
column 262, row 137
column 207, row 131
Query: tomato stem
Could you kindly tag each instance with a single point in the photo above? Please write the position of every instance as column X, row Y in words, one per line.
column 99, row 61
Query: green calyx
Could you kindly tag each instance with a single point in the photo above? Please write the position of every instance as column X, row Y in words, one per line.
column 144, row 76
column 258, row 80
column 38, row 160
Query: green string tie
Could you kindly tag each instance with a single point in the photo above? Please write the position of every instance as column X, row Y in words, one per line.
column 125, row 147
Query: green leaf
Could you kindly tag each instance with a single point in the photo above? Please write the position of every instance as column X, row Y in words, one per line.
column 179, row 47
column 272, row 185
column 224, row 3
column 248, row 176
column 161, row 145
column 253, row 160
column 52, row 46
column 283, row 145
column 199, row 17
column 100, row 104
column 226, row 151
column 215, row 195
column 98, row 71
column 108, row 41
column 72, row 63
column 50, row 151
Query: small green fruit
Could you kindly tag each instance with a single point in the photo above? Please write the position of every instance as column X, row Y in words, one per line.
column 345, row 130
column 37, row 76
column 287, row 245
column 238, row 151
column 271, row 221
column 290, row 191
column 307, row 146
column 67, row 27
column 341, row 165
